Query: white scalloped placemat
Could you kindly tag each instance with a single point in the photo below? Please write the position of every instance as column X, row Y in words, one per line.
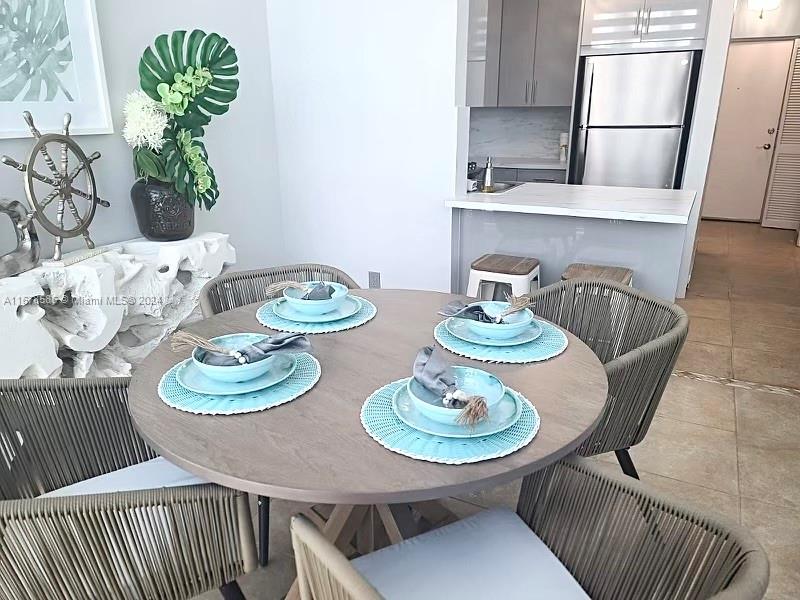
column 385, row 427
column 551, row 343
column 267, row 317
column 305, row 376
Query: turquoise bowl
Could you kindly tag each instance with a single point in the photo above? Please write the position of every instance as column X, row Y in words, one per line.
column 233, row 373
column 316, row 307
column 472, row 381
column 512, row 325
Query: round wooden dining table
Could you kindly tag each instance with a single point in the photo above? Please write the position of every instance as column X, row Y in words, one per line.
column 314, row 449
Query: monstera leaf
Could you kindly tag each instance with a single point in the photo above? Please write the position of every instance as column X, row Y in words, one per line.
column 35, row 51
column 179, row 172
column 171, row 55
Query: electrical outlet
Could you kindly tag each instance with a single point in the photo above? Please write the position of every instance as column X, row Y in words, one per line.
column 374, row 280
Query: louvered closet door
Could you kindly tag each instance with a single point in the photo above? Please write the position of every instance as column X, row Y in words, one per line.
column 782, row 208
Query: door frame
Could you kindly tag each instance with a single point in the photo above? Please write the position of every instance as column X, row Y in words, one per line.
column 780, row 224
column 731, row 44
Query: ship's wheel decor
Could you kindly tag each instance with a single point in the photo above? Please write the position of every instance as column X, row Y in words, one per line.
column 62, row 197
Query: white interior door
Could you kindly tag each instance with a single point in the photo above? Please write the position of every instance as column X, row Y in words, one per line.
column 782, row 208
column 745, row 137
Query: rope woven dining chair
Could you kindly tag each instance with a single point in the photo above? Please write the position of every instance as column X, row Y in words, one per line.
column 616, row 538
column 636, row 336
column 245, row 287
column 620, row 540
column 232, row 290
column 170, row 542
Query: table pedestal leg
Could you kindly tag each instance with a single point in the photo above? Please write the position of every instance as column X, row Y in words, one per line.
column 435, row 513
column 263, row 530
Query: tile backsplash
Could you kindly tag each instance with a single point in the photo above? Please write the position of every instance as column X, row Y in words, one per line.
column 517, row 132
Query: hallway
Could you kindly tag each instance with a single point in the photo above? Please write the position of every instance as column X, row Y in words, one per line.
column 725, row 437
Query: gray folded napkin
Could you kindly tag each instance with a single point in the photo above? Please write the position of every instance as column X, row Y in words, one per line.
column 433, row 372
column 273, row 344
column 320, row 291
column 460, row 310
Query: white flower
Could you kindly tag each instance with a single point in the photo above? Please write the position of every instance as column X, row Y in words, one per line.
column 145, row 120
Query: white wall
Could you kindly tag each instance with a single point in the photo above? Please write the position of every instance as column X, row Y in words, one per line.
column 367, row 129
column 704, row 122
column 782, row 22
column 241, row 143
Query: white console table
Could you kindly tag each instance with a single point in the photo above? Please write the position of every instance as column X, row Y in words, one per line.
column 120, row 305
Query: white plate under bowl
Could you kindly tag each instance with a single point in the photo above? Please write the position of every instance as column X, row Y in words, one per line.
column 189, row 376
column 502, row 416
column 460, row 328
column 349, row 307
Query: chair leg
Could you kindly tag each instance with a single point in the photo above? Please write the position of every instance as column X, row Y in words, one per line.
column 231, row 591
column 626, row 462
column 263, row 530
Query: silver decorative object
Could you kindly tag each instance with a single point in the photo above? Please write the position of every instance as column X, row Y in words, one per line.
column 62, row 180
column 26, row 254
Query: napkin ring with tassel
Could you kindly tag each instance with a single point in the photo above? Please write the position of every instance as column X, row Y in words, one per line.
column 473, row 408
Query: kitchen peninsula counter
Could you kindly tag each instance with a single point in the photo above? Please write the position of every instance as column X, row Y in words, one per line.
column 592, row 201
column 648, row 230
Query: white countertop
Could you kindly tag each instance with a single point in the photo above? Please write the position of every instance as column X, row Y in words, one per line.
column 507, row 162
column 592, row 201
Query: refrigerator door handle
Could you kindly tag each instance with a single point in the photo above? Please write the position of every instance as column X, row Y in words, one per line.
column 588, row 84
column 580, row 167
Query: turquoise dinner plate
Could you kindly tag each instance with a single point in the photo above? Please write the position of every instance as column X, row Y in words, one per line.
column 502, row 416
column 349, row 307
column 460, row 328
column 191, row 378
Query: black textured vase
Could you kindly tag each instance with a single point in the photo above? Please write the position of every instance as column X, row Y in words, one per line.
column 163, row 214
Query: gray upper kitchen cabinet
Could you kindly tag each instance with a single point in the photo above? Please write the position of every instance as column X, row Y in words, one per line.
column 633, row 21
column 538, row 48
column 611, row 22
column 517, row 45
column 558, row 23
column 674, row 20
column 483, row 52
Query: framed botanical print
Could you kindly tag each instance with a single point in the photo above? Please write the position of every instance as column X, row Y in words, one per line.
column 51, row 63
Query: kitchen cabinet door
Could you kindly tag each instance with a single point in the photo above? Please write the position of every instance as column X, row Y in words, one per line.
column 478, row 29
column 556, row 51
column 674, row 20
column 483, row 52
column 612, row 22
column 505, row 174
column 542, row 175
column 517, row 44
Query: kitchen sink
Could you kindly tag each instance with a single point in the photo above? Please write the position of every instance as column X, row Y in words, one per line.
column 499, row 187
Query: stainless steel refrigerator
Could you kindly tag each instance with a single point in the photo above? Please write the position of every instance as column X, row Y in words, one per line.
column 632, row 119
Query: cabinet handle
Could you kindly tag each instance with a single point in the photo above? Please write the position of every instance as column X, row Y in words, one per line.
column 647, row 21
column 638, row 22
column 533, row 96
column 527, row 86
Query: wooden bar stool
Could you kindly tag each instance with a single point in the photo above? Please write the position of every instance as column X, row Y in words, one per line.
column 520, row 273
column 621, row 275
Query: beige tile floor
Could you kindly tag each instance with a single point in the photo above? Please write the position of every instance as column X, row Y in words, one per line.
column 733, row 451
